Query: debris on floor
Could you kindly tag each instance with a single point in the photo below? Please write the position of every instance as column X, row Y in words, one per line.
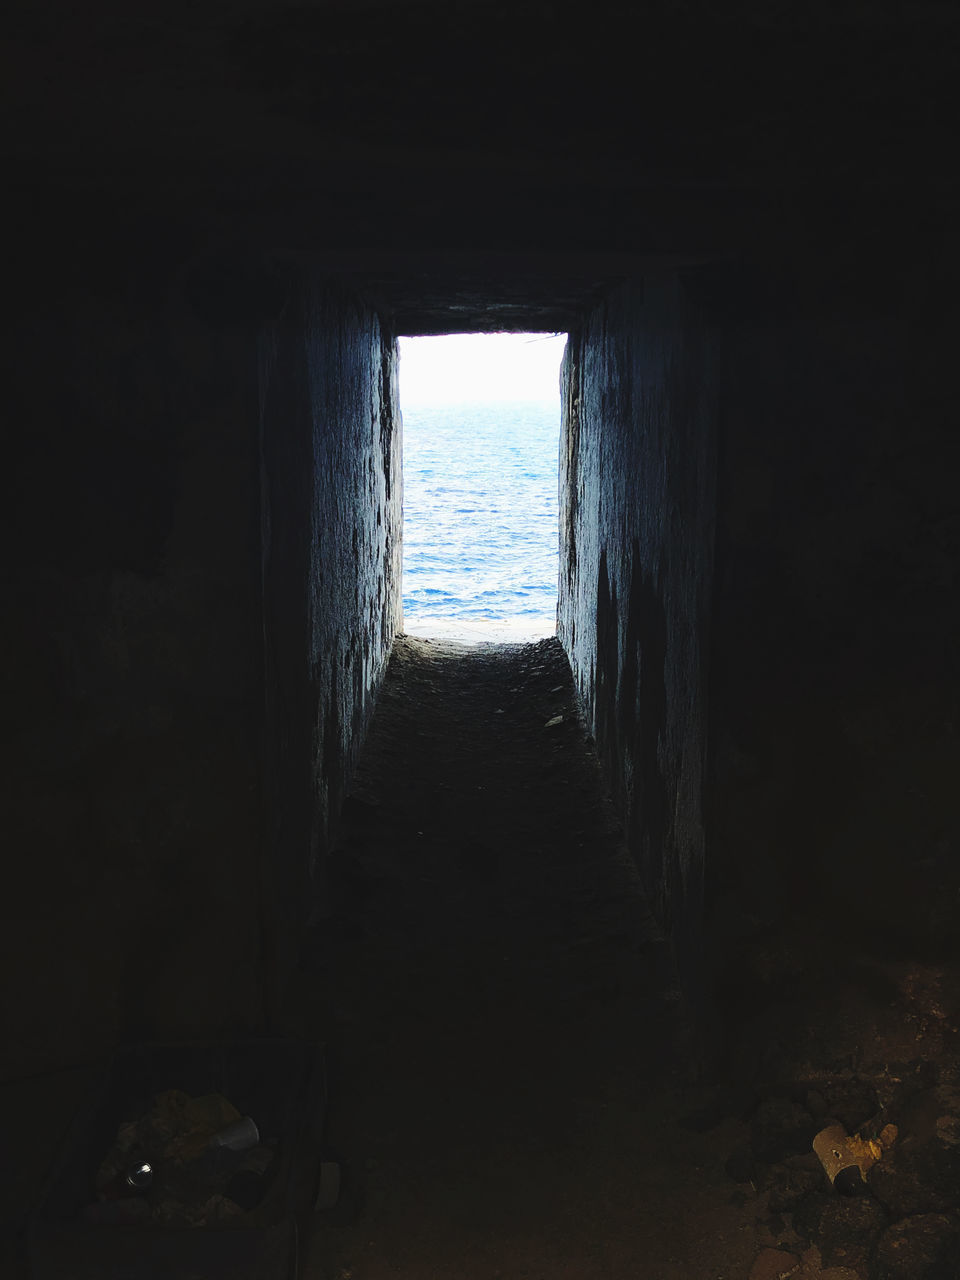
column 187, row 1161
column 877, row 1190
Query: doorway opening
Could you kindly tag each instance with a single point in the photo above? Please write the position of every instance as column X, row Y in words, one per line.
column 481, row 436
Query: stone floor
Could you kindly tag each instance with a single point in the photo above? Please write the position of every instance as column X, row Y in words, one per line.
column 514, row 1087
column 502, row 1024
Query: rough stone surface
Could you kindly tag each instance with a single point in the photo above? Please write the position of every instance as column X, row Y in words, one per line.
column 835, row 450
column 131, row 686
column 848, row 1231
column 917, row 1176
column 470, row 937
column 808, row 1212
column 851, row 1102
column 788, row 1186
column 926, row 1247
column 636, row 519
column 331, row 447
column 741, row 1165
column 150, row 901
column 781, row 1128
column 774, row 1264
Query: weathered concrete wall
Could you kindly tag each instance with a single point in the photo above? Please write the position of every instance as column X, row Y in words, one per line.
column 834, row 671
column 203, row 524
column 637, row 509
column 332, row 574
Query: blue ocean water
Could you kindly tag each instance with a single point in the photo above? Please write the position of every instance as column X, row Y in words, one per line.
column 480, row 512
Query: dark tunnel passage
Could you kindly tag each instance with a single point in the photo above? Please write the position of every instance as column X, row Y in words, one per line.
column 571, row 922
column 502, row 1000
column 594, row 937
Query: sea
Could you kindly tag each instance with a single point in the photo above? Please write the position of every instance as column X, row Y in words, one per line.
column 480, row 535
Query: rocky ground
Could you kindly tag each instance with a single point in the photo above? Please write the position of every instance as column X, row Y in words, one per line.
column 514, row 1091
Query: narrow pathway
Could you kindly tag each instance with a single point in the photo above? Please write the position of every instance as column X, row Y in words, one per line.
column 506, row 1074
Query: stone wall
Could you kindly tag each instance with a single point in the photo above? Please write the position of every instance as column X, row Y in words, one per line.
column 332, row 457
column 825, row 613
column 834, row 670
column 131, row 665
column 637, row 510
column 188, row 445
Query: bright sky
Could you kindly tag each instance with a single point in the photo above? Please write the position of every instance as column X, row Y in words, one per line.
column 465, row 368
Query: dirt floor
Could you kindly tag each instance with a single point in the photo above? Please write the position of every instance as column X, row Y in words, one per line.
column 513, row 1092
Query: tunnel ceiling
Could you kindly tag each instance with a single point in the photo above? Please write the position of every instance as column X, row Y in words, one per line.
column 446, row 292
column 498, row 162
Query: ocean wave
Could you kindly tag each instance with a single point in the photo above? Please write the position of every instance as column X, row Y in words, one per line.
column 480, row 512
